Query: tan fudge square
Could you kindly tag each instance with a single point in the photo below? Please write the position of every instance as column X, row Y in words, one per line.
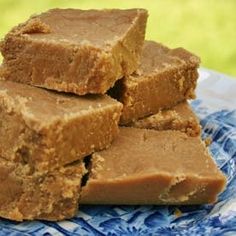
column 153, row 167
column 48, row 129
column 72, row 50
column 165, row 78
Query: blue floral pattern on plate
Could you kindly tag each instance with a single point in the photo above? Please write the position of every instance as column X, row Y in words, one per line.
column 219, row 122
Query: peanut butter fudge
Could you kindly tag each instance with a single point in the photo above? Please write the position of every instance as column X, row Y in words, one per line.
column 48, row 129
column 165, row 78
column 28, row 194
column 153, row 167
column 71, row 50
column 180, row 117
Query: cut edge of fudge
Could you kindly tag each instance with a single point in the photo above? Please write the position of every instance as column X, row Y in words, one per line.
column 112, row 184
column 165, row 78
column 27, row 139
column 82, row 67
column 180, row 117
column 51, row 195
column 130, row 191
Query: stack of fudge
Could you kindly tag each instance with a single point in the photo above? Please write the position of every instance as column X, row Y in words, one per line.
column 91, row 113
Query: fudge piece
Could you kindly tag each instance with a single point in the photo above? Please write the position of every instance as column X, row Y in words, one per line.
column 165, row 78
column 153, row 167
column 71, row 50
column 48, row 129
column 27, row 194
column 180, row 117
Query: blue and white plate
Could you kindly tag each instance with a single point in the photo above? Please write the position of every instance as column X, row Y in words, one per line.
column 216, row 107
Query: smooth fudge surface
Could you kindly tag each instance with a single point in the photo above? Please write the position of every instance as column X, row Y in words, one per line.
column 165, row 77
column 72, row 50
column 48, row 129
column 153, row 167
column 180, row 117
column 27, row 194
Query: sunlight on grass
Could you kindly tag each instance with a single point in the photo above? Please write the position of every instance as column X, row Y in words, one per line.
column 206, row 28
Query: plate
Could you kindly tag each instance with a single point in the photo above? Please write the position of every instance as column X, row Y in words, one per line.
column 216, row 107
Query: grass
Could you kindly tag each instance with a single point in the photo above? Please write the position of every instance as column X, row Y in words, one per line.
column 205, row 27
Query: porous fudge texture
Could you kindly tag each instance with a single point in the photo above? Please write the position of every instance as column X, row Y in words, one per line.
column 78, row 51
column 27, row 194
column 180, row 117
column 164, row 78
column 47, row 129
column 153, row 167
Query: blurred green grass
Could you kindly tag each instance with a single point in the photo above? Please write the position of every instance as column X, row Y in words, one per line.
column 205, row 27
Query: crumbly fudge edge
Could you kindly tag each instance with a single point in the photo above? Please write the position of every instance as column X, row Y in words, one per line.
column 50, row 195
column 170, row 119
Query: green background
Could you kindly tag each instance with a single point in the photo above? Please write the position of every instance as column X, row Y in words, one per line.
column 205, row 27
